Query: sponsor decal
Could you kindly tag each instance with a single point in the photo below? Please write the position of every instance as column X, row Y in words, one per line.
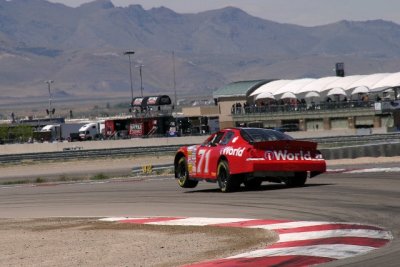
column 285, row 155
column 191, row 150
column 230, row 151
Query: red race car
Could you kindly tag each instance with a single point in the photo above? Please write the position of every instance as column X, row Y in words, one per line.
column 248, row 155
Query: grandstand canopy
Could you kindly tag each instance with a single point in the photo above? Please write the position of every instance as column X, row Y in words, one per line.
column 270, row 87
column 349, row 85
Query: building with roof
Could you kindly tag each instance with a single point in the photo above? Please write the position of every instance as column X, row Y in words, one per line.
column 233, row 96
column 351, row 102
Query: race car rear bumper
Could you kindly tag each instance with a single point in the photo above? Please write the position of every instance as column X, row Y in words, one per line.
column 263, row 165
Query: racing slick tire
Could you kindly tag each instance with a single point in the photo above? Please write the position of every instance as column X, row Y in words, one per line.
column 182, row 175
column 298, row 180
column 252, row 184
column 226, row 181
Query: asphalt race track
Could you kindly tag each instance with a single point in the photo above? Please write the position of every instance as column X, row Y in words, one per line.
column 369, row 198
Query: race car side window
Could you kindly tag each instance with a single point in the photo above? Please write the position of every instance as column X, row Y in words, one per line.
column 227, row 138
column 209, row 139
column 217, row 138
column 214, row 139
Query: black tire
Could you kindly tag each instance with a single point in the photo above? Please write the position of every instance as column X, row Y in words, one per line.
column 182, row 175
column 253, row 184
column 226, row 181
column 298, row 180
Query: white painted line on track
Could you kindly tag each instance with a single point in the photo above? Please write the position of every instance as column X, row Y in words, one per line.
column 339, row 251
column 288, row 225
column 394, row 169
column 367, row 170
column 334, row 233
column 198, row 221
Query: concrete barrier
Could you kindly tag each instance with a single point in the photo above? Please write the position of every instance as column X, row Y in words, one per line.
column 102, row 144
column 352, row 152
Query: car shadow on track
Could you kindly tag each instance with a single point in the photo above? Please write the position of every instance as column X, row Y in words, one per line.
column 264, row 187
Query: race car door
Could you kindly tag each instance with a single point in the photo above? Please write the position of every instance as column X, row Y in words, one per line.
column 209, row 153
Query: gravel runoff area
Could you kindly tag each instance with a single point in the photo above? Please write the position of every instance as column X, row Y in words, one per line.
column 89, row 242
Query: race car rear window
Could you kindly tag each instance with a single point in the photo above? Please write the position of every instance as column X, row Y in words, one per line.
column 253, row 135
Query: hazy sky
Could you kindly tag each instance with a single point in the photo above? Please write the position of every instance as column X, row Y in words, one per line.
column 301, row 12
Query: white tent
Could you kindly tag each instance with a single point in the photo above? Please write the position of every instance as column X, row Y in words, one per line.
column 288, row 95
column 293, row 86
column 368, row 81
column 312, row 94
column 265, row 95
column 349, row 85
column 391, row 80
column 270, row 87
column 343, row 83
column 337, row 91
column 317, row 84
column 360, row 90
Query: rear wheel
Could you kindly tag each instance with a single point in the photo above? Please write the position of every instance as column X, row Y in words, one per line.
column 182, row 174
column 226, row 181
column 298, row 180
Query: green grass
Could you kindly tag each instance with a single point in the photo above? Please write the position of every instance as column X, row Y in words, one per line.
column 99, row 176
column 40, row 180
column 15, row 182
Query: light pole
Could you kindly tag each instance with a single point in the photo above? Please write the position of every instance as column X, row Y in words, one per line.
column 130, row 53
column 141, row 78
column 49, row 82
column 174, row 74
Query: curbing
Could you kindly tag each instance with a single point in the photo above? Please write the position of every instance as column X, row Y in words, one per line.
column 301, row 243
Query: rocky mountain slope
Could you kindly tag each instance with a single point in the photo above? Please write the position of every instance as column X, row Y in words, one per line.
column 82, row 48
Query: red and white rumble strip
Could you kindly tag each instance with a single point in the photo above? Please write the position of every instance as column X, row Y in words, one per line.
column 301, row 243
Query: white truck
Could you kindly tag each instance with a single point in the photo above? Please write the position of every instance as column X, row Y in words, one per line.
column 61, row 132
column 91, row 131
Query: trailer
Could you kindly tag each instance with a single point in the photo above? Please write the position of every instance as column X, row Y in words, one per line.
column 59, row 132
column 137, row 127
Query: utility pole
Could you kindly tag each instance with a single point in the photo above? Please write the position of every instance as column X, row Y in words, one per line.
column 130, row 53
column 141, row 79
column 50, row 111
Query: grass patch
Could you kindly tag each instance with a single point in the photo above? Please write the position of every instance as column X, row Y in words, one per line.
column 40, row 180
column 164, row 171
column 15, row 182
column 99, row 176
column 63, row 178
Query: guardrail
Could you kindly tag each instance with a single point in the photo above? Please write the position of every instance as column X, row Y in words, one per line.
column 385, row 145
column 336, row 141
column 93, row 153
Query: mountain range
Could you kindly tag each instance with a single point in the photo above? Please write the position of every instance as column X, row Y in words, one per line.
column 82, row 49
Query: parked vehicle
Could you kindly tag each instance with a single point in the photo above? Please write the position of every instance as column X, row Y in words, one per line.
column 91, row 131
column 60, row 132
